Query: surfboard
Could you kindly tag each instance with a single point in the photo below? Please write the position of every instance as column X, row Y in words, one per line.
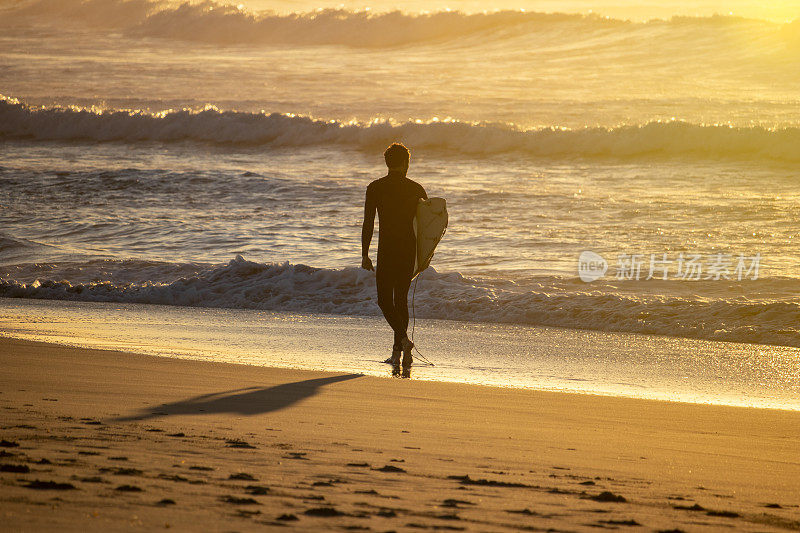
column 430, row 224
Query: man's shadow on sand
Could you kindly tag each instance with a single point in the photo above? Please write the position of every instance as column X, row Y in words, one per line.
column 247, row 401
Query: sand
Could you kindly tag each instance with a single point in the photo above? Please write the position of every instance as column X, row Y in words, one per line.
column 107, row 441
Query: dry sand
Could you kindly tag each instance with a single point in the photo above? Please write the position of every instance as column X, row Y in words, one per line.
column 109, row 441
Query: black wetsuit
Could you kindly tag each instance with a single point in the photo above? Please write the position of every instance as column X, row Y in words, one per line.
column 395, row 197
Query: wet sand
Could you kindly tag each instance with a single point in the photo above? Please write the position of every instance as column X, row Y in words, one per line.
column 110, row 441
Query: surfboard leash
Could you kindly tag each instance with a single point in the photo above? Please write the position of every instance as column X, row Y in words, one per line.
column 414, row 312
column 414, row 322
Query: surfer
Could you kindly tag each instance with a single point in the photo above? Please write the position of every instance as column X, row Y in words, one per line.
column 395, row 198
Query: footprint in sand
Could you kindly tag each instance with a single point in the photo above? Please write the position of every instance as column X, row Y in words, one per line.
column 525, row 511
column 329, row 482
column 466, row 480
column 174, row 477
column 237, row 443
column 417, row 525
column 233, row 500
column 296, row 455
column 456, row 504
column 49, row 485
column 129, row 488
column 242, row 476
column 630, row 522
column 723, row 514
column 15, row 469
column 694, row 507
column 608, row 497
column 122, row 471
column 390, row 468
column 324, row 512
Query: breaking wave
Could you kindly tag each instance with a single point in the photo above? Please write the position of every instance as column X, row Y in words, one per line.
column 351, row 291
column 212, row 22
column 210, row 125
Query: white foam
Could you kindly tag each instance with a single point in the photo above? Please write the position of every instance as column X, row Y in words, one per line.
column 351, row 291
column 18, row 121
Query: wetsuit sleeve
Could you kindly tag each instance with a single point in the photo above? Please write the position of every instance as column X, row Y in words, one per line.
column 370, row 206
column 422, row 192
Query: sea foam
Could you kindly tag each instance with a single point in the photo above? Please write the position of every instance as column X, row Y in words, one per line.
column 244, row 284
column 234, row 128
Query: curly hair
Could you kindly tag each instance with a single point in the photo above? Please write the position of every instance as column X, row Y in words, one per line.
column 396, row 156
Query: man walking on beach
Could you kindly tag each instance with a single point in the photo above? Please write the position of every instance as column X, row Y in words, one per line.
column 395, row 198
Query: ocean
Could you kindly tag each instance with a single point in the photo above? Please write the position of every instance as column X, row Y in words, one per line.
column 206, row 155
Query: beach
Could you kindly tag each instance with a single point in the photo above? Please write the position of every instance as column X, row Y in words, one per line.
column 103, row 440
column 191, row 333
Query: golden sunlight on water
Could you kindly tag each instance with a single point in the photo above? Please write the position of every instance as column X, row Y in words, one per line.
column 200, row 156
column 607, row 336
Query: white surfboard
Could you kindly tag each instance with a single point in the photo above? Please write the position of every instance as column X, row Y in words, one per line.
column 430, row 224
